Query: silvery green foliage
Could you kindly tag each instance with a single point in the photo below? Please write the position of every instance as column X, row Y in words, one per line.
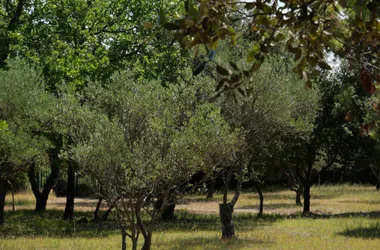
column 149, row 143
column 28, row 111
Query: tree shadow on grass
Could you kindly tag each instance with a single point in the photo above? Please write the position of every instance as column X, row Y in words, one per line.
column 372, row 214
column 274, row 206
column 214, row 243
column 186, row 221
column 364, row 232
column 27, row 223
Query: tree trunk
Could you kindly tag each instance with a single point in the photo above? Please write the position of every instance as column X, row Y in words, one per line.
column 168, row 213
column 306, row 198
column 147, row 241
column 226, row 209
column 70, row 193
column 3, row 193
column 123, row 240
column 298, row 196
column 106, row 214
column 13, row 198
column 258, row 188
column 225, row 214
column 96, row 213
column 5, row 40
column 42, row 197
column 211, row 189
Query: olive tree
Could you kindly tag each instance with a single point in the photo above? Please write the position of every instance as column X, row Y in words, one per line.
column 26, row 110
column 147, row 146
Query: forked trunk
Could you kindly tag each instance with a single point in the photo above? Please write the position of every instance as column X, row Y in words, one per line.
column 42, row 197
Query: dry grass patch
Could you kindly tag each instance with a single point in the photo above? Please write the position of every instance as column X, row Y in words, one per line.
column 345, row 217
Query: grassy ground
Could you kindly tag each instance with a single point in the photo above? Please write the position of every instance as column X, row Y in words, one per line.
column 345, row 217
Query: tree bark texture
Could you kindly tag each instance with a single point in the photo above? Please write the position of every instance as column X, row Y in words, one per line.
column 70, row 193
column 225, row 214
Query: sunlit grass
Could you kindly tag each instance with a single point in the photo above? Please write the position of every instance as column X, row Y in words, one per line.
column 345, row 217
column 325, row 199
column 24, row 199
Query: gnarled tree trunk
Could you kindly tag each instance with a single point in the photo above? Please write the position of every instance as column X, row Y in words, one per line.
column 226, row 209
column 42, row 196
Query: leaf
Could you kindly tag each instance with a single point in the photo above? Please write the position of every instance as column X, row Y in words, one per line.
column 324, row 65
column 257, row 65
column 3, row 125
column 221, row 84
column 242, row 92
column 235, row 78
column 147, row 25
column 280, row 37
column 222, row 71
column 256, row 47
column 251, row 56
column 200, row 68
column 231, row 30
column 234, row 66
column 235, row 97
